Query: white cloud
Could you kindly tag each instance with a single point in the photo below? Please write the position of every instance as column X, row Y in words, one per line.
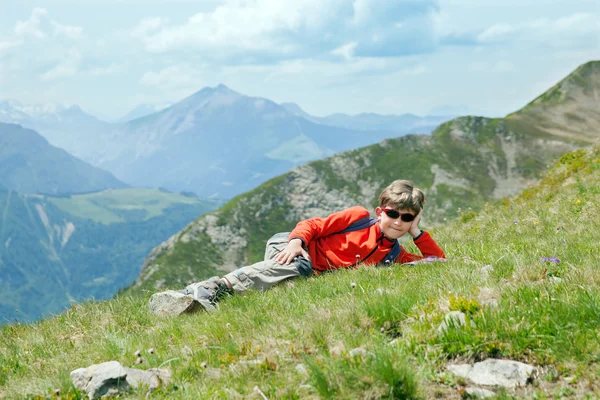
column 176, row 76
column 147, row 26
column 73, row 32
column 39, row 24
column 111, row 69
column 67, row 67
column 496, row 32
column 32, row 26
column 6, row 44
column 346, row 51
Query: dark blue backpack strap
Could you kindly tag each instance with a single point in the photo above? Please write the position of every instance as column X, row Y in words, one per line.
column 392, row 255
column 362, row 223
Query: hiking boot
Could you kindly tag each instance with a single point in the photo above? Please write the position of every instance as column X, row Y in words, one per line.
column 208, row 292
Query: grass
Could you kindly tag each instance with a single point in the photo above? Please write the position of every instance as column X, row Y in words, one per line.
column 115, row 205
column 297, row 340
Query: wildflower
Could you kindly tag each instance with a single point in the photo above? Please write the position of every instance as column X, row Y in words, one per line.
column 137, row 353
column 139, row 360
column 353, row 285
column 578, row 201
column 57, row 392
column 536, row 222
column 550, row 259
column 203, row 364
column 516, row 222
column 228, row 325
column 151, row 350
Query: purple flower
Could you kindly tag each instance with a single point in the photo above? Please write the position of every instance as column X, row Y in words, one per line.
column 550, row 259
column 516, row 222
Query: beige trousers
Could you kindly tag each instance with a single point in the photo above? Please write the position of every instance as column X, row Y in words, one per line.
column 265, row 274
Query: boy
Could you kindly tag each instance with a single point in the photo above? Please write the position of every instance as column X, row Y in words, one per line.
column 342, row 240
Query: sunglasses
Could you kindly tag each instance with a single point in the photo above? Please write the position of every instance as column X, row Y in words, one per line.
column 393, row 214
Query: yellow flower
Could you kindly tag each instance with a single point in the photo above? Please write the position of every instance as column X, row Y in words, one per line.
column 578, row 201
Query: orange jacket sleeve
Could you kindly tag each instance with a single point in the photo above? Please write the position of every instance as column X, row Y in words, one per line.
column 426, row 245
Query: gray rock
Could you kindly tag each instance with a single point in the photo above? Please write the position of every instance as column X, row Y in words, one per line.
column 493, row 372
column 452, row 319
column 106, row 379
column 479, row 393
column 172, row 303
column 154, row 377
column 359, row 351
column 110, row 378
column 487, row 270
column 301, row 369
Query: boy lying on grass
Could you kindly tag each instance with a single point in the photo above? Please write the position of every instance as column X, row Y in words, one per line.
column 344, row 239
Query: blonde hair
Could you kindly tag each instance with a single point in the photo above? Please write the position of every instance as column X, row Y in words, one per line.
column 402, row 195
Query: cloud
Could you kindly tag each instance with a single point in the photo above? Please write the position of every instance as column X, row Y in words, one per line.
column 32, row 26
column 6, row 44
column 281, row 29
column 175, row 76
column 73, row 32
column 67, row 67
column 111, row 69
column 564, row 31
column 39, row 24
column 147, row 26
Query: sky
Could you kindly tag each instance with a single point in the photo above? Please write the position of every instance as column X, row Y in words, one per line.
column 486, row 57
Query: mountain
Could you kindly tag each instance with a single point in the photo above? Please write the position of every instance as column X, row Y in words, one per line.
column 29, row 164
column 55, row 250
column 397, row 124
column 215, row 143
column 141, row 111
column 464, row 164
column 220, row 143
column 67, row 127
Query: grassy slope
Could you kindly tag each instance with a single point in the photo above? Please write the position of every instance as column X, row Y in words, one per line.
column 468, row 157
column 315, row 322
column 108, row 206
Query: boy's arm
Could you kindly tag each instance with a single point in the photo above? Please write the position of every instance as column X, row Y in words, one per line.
column 427, row 246
column 314, row 228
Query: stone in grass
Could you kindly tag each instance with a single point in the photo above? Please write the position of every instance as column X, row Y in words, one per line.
column 172, row 303
column 494, row 372
column 111, row 378
column 479, row 393
column 452, row 319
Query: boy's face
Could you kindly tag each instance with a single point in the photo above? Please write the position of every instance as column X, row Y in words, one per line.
column 394, row 228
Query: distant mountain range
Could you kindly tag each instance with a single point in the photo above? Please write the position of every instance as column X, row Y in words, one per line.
column 56, row 250
column 29, row 164
column 216, row 142
column 463, row 164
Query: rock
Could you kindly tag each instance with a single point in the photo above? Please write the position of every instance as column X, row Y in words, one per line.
column 359, row 351
column 479, row 393
column 487, row 270
column 106, row 379
column 110, row 378
column 154, row 377
column 493, row 372
column 173, row 303
column 301, row 369
column 488, row 297
column 453, row 318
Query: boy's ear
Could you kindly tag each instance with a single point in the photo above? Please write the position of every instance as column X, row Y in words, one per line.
column 378, row 211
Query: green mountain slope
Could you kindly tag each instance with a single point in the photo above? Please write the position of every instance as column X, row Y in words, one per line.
column 29, row 164
column 54, row 250
column 465, row 163
column 318, row 338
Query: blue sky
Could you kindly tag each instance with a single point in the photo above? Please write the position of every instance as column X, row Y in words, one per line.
column 386, row 56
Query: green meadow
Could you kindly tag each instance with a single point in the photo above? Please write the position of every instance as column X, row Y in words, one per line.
column 524, row 271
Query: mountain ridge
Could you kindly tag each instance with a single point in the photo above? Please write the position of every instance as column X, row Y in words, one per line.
column 465, row 163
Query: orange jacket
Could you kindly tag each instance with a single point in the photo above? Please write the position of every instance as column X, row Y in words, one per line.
column 329, row 250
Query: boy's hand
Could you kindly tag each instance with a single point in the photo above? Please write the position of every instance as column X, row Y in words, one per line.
column 291, row 251
column 414, row 227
